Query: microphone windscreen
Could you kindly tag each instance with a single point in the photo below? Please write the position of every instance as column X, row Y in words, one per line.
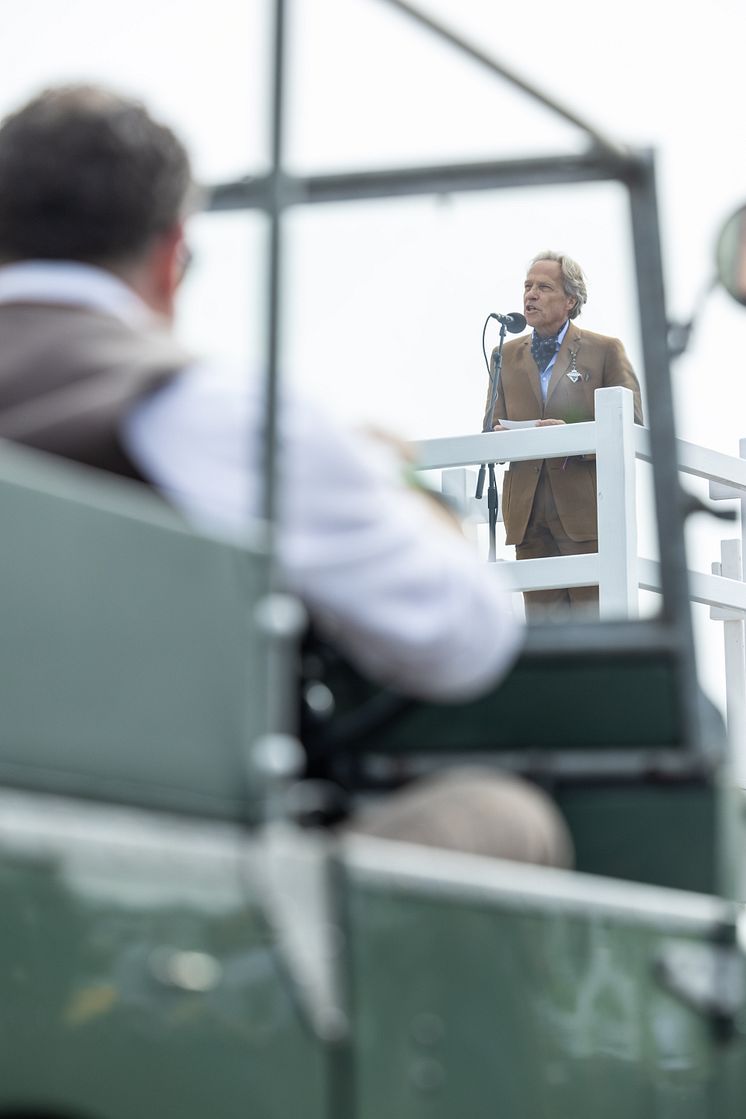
column 516, row 322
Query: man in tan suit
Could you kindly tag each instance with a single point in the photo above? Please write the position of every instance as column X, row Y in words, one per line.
column 549, row 505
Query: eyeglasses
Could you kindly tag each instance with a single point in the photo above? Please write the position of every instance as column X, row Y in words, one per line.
column 186, row 258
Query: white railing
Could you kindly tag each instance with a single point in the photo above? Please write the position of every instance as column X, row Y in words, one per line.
column 620, row 573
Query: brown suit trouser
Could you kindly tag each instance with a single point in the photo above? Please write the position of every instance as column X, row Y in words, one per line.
column 545, row 536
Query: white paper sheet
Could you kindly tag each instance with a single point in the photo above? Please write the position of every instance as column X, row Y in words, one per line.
column 518, row 423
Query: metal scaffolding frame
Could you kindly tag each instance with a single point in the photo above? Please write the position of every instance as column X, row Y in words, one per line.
column 605, row 160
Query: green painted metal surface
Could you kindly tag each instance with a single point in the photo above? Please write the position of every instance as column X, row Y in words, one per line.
column 560, row 725
column 585, row 705
column 665, row 834
column 478, row 993
column 131, row 682
column 95, row 902
column 131, row 667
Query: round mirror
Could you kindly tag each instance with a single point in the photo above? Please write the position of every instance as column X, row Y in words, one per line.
column 731, row 255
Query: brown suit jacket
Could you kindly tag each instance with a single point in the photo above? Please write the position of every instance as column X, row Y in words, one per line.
column 601, row 363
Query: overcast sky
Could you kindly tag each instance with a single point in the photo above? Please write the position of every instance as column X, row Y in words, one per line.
column 386, row 301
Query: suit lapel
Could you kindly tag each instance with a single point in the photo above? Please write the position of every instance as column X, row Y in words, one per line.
column 562, row 362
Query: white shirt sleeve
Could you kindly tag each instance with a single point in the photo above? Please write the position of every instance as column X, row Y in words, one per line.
column 402, row 593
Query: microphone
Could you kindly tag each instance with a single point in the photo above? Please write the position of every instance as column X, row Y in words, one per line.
column 513, row 322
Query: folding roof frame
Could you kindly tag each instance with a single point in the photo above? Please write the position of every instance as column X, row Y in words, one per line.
column 604, row 159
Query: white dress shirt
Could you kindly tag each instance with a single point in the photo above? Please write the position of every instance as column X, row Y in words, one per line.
column 378, row 567
column 545, row 375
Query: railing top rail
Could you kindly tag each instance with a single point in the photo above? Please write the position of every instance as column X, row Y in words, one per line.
column 508, row 446
column 706, row 463
column 571, row 439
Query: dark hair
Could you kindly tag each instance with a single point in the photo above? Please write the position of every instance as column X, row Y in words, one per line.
column 87, row 175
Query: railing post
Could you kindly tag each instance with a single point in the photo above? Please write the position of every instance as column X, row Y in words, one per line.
column 617, row 505
column 731, row 567
column 742, row 510
column 459, row 483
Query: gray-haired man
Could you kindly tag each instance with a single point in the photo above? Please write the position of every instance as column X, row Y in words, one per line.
column 549, row 505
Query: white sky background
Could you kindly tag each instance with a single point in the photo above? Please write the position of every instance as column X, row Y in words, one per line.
column 386, row 301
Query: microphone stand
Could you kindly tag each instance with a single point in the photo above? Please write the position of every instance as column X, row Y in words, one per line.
column 492, row 499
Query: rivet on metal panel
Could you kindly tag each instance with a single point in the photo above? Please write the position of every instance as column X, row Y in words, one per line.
column 332, row 1025
column 278, row 756
column 427, row 1075
column 319, row 699
column 280, row 615
column 185, row 971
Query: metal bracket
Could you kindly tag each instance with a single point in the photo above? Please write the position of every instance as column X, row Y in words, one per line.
column 709, row 978
column 293, row 869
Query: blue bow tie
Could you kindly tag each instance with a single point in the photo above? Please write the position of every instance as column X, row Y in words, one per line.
column 544, row 349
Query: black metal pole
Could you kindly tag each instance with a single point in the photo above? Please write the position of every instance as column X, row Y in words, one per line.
column 275, row 206
column 492, row 512
column 492, row 498
column 603, row 142
column 676, row 610
column 497, row 365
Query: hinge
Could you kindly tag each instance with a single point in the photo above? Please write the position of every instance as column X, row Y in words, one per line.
column 709, row 978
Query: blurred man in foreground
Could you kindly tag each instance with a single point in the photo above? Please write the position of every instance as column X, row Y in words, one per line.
column 93, row 198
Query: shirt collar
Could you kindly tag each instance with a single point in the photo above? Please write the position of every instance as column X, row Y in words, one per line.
column 72, row 283
column 560, row 337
